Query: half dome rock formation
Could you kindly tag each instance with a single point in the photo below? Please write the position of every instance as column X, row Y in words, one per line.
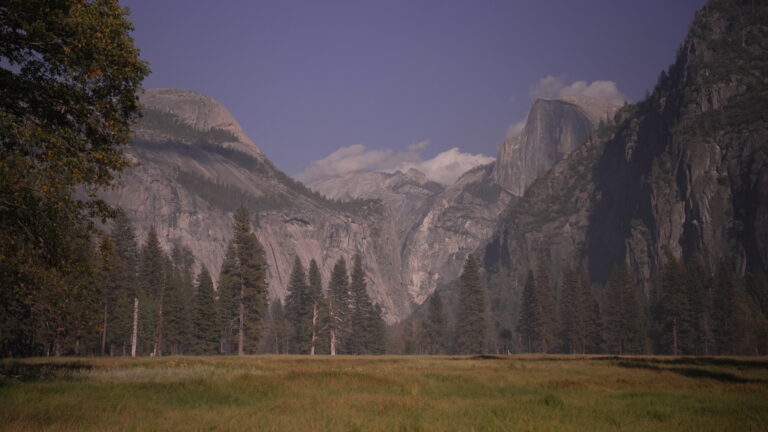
column 554, row 128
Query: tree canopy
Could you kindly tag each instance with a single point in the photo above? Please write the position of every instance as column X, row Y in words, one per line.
column 69, row 74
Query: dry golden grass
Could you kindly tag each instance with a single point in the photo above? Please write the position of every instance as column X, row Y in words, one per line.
column 299, row 393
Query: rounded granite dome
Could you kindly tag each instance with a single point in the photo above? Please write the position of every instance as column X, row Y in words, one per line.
column 199, row 111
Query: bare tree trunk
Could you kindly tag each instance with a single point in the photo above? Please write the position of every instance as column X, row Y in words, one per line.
column 314, row 328
column 104, row 332
column 333, row 341
column 135, row 333
column 241, row 334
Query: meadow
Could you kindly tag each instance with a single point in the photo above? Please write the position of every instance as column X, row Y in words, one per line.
column 387, row 393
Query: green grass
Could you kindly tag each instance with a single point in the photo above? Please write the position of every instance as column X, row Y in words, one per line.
column 294, row 393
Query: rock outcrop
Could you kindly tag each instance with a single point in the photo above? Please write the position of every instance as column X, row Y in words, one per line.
column 439, row 226
column 681, row 174
column 554, row 128
column 195, row 166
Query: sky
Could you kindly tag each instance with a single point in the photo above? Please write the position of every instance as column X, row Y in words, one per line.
column 327, row 86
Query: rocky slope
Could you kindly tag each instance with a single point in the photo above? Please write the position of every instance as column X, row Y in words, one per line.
column 554, row 128
column 682, row 173
column 406, row 194
column 439, row 226
column 196, row 166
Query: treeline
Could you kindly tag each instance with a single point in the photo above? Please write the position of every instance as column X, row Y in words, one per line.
column 688, row 311
column 139, row 300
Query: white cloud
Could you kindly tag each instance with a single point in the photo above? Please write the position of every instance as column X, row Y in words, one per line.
column 448, row 166
column 554, row 87
column 444, row 168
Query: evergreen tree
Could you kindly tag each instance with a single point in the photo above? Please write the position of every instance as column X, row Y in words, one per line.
column 178, row 305
column 729, row 312
column 152, row 279
column 591, row 331
column 318, row 310
column 363, row 317
column 297, row 309
column 229, row 288
column 470, row 316
column 434, row 326
column 571, row 314
column 69, row 76
column 338, row 307
column 624, row 320
column 377, row 329
column 251, row 299
column 529, row 321
column 545, row 295
column 206, row 334
column 278, row 329
column 121, row 285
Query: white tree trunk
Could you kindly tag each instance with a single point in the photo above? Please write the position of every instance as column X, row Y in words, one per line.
column 135, row 333
column 314, row 328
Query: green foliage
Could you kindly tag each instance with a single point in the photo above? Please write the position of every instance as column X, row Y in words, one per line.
column 228, row 292
column 529, row 321
column 318, row 311
column 338, row 307
column 434, row 331
column 472, row 309
column 206, row 333
column 278, row 335
column 151, row 293
column 251, row 299
column 366, row 334
column 171, row 124
column 298, row 309
column 69, row 74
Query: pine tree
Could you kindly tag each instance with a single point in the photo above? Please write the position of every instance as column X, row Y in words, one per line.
column 529, row 321
column 571, row 314
column 470, row 316
column 251, row 299
column 206, row 334
column 297, row 309
column 363, row 318
column 278, row 329
column 377, row 329
column 434, row 326
column 338, row 307
column 152, row 279
column 121, row 285
column 318, row 310
column 624, row 320
column 591, row 331
column 229, row 288
column 545, row 295
column 729, row 312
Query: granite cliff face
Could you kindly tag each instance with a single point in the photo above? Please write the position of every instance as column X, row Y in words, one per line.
column 439, row 226
column 682, row 173
column 195, row 166
column 407, row 195
column 554, row 128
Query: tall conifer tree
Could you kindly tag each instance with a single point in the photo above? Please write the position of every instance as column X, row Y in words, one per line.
column 297, row 309
column 338, row 307
column 470, row 316
column 206, row 334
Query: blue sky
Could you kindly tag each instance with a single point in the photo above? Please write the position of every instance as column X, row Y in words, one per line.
column 404, row 79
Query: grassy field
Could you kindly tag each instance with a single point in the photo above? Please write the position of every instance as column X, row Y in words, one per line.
column 294, row 393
